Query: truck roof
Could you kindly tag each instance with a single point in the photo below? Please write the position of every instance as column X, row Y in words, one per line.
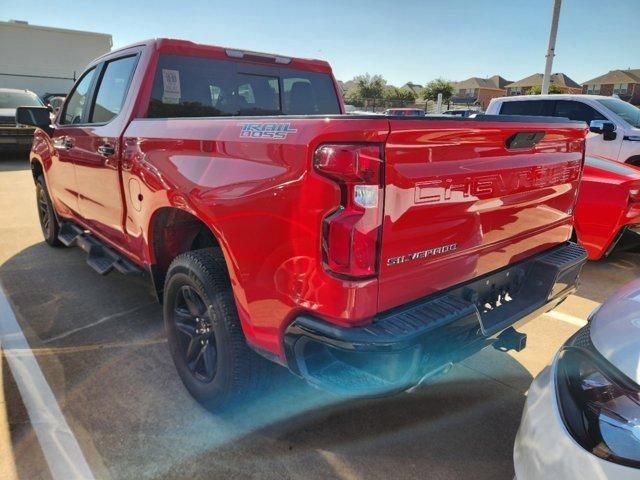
column 186, row 47
column 551, row 96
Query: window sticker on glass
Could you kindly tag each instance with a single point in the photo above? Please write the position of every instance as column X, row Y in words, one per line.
column 171, row 84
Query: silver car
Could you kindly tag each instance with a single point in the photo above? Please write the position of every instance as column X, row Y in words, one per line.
column 582, row 415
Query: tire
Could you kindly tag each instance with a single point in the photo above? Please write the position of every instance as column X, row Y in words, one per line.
column 204, row 334
column 46, row 214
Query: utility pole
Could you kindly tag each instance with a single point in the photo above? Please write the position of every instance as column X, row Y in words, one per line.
column 552, row 46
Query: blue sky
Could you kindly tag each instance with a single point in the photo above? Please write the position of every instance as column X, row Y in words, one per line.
column 409, row 40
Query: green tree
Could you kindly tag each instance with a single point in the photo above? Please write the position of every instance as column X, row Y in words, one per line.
column 352, row 97
column 399, row 96
column 370, row 88
column 434, row 87
column 537, row 89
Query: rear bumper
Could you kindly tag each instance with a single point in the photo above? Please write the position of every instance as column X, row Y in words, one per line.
column 404, row 346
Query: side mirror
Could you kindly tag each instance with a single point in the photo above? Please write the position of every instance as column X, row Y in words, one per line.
column 33, row 116
column 606, row 128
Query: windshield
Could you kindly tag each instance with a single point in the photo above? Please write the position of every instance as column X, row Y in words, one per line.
column 19, row 99
column 624, row 110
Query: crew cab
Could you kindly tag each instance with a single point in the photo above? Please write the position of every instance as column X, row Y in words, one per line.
column 364, row 253
column 616, row 123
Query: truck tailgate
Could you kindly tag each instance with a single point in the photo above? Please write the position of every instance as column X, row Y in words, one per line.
column 466, row 197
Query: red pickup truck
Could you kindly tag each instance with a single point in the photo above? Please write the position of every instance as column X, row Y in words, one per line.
column 364, row 253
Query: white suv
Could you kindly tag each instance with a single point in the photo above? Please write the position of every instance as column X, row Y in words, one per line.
column 622, row 144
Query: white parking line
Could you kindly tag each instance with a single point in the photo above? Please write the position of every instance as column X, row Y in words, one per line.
column 60, row 447
column 567, row 318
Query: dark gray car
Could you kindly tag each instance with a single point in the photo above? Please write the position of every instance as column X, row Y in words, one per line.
column 13, row 137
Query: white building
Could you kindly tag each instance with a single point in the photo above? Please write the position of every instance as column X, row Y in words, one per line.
column 44, row 59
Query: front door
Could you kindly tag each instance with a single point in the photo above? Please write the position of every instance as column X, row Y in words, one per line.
column 595, row 144
column 61, row 176
column 97, row 159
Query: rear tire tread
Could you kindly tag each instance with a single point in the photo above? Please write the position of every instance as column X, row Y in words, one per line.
column 249, row 372
column 51, row 236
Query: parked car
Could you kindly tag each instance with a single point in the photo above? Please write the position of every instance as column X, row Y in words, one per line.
column 15, row 137
column 582, row 414
column 404, row 112
column 362, row 112
column 461, row 113
column 237, row 183
column 621, row 144
column 608, row 209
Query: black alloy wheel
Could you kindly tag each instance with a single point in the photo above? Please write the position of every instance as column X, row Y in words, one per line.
column 196, row 338
column 204, row 334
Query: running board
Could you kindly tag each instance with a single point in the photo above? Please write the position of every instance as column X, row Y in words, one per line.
column 100, row 257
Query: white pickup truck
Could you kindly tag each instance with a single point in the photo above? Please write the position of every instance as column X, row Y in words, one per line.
column 614, row 123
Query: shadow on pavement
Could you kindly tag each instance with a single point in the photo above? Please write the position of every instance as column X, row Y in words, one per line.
column 602, row 278
column 10, row 162
column 100, row 343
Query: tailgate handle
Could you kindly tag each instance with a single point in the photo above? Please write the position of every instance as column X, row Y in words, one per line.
column 524, row 140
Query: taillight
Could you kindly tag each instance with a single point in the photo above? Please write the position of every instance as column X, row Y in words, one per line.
column 351, row 234
column 634, row 195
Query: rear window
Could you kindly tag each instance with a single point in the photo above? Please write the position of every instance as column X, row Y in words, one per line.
column 203, row 87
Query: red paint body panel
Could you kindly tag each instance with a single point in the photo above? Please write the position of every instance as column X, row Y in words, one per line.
column 446, row 182
column 603, row 204
column 263, row 204
column 454, row 184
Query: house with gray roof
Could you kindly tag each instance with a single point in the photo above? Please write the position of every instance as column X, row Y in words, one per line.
column 623, row 83
column 560, row 80
column 476, row 91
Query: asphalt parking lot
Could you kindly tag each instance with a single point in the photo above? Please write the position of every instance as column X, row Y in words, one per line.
column 99, row 342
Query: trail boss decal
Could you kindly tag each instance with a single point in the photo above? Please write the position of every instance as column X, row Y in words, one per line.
column 277, row 131
column 422, row 254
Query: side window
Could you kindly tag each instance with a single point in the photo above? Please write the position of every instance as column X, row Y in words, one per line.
column 112, row 89
column 528, row 107
column 73, row 112
column 577, row 111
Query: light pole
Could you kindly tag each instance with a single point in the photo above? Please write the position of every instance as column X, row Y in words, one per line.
column 552, row 46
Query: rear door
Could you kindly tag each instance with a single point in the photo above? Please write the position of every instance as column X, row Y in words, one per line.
column 464, row 197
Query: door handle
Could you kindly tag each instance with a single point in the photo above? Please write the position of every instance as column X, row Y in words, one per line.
column 106, row 150
column 67, row 144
